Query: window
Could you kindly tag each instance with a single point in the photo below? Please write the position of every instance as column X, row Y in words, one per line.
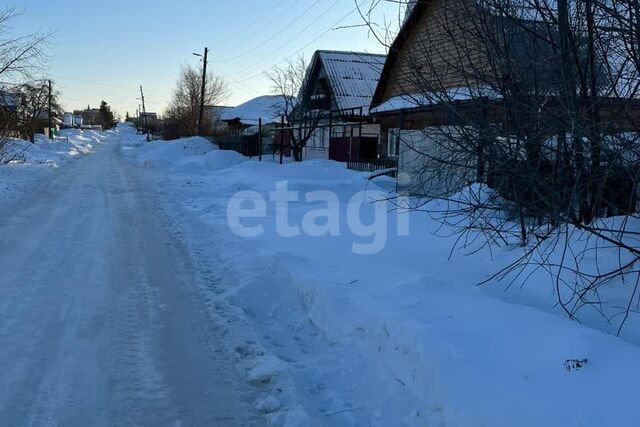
column 392, row 142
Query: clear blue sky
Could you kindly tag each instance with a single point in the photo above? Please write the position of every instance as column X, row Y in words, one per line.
column 106, row 49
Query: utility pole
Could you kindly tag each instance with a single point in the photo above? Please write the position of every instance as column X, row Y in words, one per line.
column 144, row 112
column 50, row 112
column 203, row 91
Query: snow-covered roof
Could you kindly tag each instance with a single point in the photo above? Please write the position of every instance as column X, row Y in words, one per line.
column 419, row 100
column 9, row 99
column 215, row 112
column 353, row 76
column 218, row 109
column 267, row 108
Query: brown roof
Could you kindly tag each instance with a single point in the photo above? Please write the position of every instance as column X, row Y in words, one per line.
column 419, row 7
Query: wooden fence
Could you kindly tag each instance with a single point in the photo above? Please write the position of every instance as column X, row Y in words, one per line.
column 372, row 165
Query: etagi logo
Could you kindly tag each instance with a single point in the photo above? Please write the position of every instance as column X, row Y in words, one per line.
column 366, row 219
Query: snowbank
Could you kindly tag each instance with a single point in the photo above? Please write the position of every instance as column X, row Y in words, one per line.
column 212, row 161
column 168, row 153
column 34, row 161
column 401, row 336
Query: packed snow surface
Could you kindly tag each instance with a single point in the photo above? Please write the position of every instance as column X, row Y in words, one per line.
column 102, row 318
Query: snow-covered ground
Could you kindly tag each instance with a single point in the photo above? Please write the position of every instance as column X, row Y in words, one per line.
column 124, row 272
column 101, row 319
column 377, row 326
column 34, row 161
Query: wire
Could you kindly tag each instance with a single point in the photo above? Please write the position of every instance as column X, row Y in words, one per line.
column 297, row 51
column 281, row 47
column 267, row 22
column 282, row 30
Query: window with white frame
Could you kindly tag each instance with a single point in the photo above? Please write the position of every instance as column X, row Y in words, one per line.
column 392, row 142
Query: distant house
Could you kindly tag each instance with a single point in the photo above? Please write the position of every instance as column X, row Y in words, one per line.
column 242, row 124
column 213, row 114
column 56, row 122
column 10, row 106
column 91, row 117
column 148, row 119
column 9, row 102
column 68, row 119
column 340, row 85
column 77, row 118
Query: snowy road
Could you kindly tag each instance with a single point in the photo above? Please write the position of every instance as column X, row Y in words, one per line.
column 101, row 322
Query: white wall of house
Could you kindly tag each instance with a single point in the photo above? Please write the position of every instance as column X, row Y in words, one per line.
column 421, row 170
column 318, row 145
column 68, row 119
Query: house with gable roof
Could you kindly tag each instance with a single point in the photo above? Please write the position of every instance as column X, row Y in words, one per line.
column 341, row 85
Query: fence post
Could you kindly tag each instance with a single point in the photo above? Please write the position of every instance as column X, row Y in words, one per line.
column 360, row 133
column 330, row 134
column 260, row 139
column 351, row 143
column 281, row 139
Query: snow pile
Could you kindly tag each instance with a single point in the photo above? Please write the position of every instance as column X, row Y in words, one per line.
column 166, row 153
column 212, row 161
column 401, row 336
column 33, row 160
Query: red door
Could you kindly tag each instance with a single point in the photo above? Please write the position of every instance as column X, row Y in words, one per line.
column 339, row 149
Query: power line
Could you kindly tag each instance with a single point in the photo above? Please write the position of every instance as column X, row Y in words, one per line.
column 281, row 47
column 267, row 22
column 297, row 51
column 282, row 30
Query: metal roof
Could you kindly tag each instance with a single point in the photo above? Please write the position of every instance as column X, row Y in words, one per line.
column 9, row 99
column 353, row 76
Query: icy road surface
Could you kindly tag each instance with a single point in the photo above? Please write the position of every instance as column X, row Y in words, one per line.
column 100, row 319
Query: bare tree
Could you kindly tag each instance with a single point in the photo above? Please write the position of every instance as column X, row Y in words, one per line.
column 20, row 55
column 529, row 136
column 10, row 151
column 381, row 27
column 34, row 111
column 302, row 119
column 183, row 112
